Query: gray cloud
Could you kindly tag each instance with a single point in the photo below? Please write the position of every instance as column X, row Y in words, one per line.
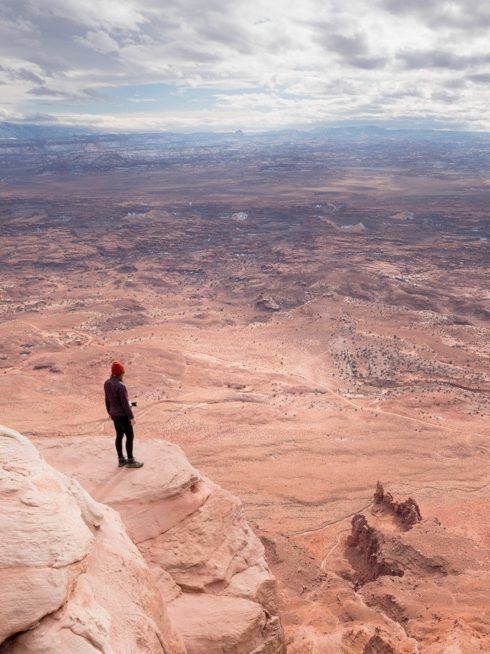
column 352, row 50
column 457, row 14
column 99, row 41
column 44, row 91
column 480, row 78
column 454, row 83
column 347, row 46
column 368, row 63
column 315, row 60
column 38, row 118
column 21, row 74
column 419, row 59
column 444, row 96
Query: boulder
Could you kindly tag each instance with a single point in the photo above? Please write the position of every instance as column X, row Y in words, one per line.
column 267, row 303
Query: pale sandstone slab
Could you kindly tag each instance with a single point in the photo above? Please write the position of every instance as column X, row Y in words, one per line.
column 70, row 578
column 244, row 627
column 40, row 554
column 194, row 537
column 181, row 521
column 152, row 499
column 215, row 550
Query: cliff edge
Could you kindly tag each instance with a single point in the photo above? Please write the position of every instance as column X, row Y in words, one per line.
column 184, row 574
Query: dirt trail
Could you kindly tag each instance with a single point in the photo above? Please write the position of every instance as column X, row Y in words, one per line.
column 311, row 530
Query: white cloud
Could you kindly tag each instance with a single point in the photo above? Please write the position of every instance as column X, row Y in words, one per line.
column 99, row 41
column 296, row 62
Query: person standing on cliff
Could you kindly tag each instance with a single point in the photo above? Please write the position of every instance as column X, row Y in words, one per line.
column 119, row 409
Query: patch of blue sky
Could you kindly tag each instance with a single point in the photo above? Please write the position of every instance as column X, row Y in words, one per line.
column 134, row 98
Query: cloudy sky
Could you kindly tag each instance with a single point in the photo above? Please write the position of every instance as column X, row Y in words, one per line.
column 249, row 64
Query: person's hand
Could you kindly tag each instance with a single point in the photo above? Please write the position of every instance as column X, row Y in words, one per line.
column 133, row 421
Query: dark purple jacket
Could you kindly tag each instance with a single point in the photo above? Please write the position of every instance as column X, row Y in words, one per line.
column 116, row 398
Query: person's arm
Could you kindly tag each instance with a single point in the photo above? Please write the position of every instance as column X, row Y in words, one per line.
column 123, row 394
column 107, row 403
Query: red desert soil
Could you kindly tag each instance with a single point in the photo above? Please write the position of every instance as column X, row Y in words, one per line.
column 297, row 364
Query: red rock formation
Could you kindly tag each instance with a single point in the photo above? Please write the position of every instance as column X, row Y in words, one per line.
column 373, row 553
column 407, row 512
column 369, row 544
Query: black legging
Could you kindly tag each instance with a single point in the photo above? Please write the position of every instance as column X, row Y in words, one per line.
column 123, row 426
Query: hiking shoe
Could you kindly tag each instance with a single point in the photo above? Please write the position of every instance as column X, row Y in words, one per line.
column 132, row 463
column 122, row 462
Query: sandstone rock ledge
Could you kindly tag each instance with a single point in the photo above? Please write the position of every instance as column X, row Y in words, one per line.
column 71, row 581
column 205, row 568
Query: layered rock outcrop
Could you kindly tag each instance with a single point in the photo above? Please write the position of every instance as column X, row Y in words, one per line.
column 407, row 512
column 208, row 564
column 387, row 554
column 374, row 554
column 70, row 578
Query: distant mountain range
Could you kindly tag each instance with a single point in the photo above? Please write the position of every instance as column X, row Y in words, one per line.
column 9, row 130
column 33, row 131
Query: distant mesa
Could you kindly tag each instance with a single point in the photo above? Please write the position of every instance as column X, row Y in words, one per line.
column 357, row 228
column 403, row 215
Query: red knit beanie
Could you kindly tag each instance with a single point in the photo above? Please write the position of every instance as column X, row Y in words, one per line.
column 117, row 369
